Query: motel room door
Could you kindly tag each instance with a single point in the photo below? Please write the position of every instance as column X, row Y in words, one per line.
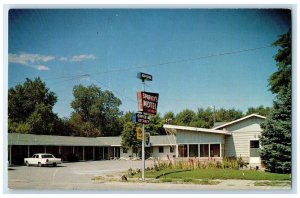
column 254, row 157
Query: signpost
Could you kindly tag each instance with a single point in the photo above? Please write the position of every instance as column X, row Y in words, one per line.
column 147, row 103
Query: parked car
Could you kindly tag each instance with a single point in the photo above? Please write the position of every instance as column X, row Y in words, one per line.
column 42, row 159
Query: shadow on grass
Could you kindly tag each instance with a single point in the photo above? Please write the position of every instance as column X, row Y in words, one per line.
column 164, row 174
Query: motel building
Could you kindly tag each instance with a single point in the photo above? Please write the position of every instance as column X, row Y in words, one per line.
column 239, row 138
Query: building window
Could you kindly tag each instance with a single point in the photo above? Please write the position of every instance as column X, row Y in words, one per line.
column 125, row 150
column 193, row 150
column 203, row 150
column 182, row 150
column 161, row 149
column 215, row 150
column 254, row 148
column 172, row 149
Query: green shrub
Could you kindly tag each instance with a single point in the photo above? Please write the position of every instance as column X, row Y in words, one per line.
column 187, row 180
column 166, row 180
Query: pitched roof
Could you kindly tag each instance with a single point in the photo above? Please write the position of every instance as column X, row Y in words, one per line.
column 239, row 120
column 173, row 128
column 53, row 140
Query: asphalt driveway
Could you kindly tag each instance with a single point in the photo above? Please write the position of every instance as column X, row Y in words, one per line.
column 78, row 176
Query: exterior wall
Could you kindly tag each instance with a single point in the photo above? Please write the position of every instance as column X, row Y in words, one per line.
column 163, row 155
column 238, row 144
column 190, row 137
column 128, row 154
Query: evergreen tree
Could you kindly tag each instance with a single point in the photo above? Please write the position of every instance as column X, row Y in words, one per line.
column 276, row 136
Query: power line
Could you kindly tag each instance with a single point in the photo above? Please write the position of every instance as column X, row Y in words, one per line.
column 61, row 77
column 186, row 60
column 131, row 100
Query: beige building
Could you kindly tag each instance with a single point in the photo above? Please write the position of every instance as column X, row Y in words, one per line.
column 239, row 138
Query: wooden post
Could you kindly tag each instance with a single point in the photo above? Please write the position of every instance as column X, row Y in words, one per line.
column 83, row 153
column 93, row 153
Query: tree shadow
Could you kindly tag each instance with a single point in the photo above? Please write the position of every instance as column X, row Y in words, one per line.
column 164, row 174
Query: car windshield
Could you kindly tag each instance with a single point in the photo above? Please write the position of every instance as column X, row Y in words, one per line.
column 47, row 156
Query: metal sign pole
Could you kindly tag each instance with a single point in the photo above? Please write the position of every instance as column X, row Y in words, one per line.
column 143, row 142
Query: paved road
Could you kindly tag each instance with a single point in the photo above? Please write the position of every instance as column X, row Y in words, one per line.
column 78, row 176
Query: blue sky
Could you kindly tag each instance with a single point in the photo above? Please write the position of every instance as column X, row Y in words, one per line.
column 198, row 57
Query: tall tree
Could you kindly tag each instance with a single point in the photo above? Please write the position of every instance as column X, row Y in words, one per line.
column 276, row 136
column 129, row 137
column 30, row 108
column 185, row 117
column 23, row 99
column 261, row 110
column 223, row 115
column 96, row 112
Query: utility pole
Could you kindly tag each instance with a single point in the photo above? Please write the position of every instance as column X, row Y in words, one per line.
column 214, row 115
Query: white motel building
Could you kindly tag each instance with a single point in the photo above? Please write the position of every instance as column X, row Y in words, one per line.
column 239, row 138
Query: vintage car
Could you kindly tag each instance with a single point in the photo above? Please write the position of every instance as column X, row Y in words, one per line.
column 42, row 159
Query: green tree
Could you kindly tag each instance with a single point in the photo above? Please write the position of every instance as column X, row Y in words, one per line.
column 276, row 136
column 223, row 115
column 155, row 127
column 30, row 108
column 129, row 137
column 185, row 117
column 42, row 120
column 261, row 110
column 205, row 117
column 169, row 117
column 96, row 112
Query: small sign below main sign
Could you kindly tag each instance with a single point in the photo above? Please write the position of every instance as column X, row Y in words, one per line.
column 144, row 76
column 139, row 134
column 140, row 117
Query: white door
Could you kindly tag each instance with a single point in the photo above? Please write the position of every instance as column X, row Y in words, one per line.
column 254, row 157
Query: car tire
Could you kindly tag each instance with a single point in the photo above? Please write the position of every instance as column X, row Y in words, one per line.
column 54, row 164
column 40, row 164
column 27, row 164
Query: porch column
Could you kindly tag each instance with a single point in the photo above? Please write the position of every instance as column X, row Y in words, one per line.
column 10, row 148
column 176, row 151
column 188, row 150
column 198, row 150
column 221, row 150
column 93, row 153
column 83, row 153
column 28, row 151
column 73, row 149
column 208, row 150
column 59, row 150
column 102, row 153
column 114, row 152
column 45, row 149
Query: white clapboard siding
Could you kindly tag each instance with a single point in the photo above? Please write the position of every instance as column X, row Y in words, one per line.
column 238, row 143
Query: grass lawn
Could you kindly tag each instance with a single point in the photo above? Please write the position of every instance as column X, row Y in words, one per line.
column 214, row 174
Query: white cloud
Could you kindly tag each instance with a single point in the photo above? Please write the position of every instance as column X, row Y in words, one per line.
column 29, row 59
column 42, row 68
column 82, row 57
column 63, row 58
column 36, row 60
